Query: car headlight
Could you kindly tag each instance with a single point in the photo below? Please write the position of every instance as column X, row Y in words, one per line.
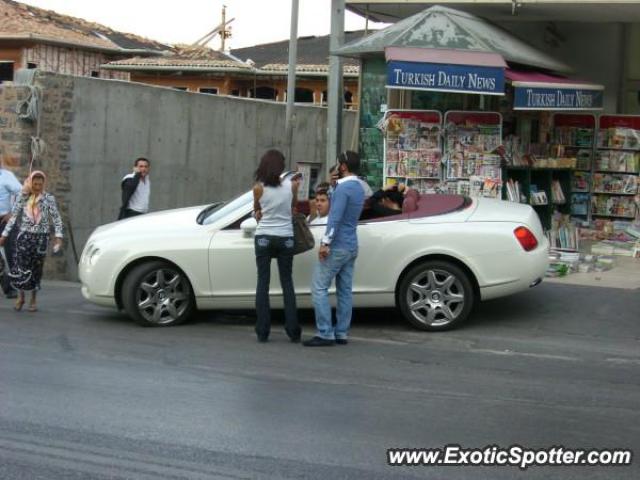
column 85, row 252
column 90, row 254
column 93, row 256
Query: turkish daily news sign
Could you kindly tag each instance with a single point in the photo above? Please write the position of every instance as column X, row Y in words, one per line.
column 558, row 98
column 445, row 78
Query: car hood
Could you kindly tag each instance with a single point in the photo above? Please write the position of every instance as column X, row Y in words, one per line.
column 151, row 223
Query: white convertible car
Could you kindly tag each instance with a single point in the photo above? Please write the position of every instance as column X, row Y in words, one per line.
column 434, row 264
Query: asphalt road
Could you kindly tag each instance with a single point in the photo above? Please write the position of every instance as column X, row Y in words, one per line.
column 86, row 394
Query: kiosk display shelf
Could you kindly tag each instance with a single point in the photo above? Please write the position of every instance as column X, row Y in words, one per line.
column 573, row 139
column 545, row 175
column 545, row 189
column 472, row 161
column 617, row 165
column 580, row 182
column 413, row 149
column 572, row 147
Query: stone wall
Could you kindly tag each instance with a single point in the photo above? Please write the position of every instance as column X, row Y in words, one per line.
column 15, row 134
column 54, row 129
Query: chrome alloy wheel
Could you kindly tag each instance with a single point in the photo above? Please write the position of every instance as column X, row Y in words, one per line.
column 435, row 297
column 162, row 296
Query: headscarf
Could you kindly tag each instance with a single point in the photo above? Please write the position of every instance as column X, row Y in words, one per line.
column 33, row 205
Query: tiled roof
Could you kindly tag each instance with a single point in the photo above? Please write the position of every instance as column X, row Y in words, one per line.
column 306, row 68
column 18, row 20
column 270, row 58
column 183, row 56
column 313, row 52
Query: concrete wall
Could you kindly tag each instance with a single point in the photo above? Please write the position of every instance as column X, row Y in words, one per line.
column 202, row 148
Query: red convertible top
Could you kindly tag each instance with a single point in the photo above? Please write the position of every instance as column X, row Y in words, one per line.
column 430, row 205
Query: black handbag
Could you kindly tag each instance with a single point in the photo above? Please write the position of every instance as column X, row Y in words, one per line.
column 302, row 237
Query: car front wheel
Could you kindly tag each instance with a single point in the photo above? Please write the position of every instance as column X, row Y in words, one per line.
column 435, row 295
column 156, row 294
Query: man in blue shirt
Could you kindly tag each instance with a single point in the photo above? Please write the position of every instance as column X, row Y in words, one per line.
column 337, row 256
column 9, row 189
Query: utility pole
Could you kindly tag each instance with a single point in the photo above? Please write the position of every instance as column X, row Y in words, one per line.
column 223, row 32
column 335, row 101
column 366, row 20
column 202, row 41
column 291, row 81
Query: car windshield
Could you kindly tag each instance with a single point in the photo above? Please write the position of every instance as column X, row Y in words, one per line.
column 217, row 211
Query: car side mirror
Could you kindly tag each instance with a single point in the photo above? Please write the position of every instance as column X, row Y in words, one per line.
column 249, row 226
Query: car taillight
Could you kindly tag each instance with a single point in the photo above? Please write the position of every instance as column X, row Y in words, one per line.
column 526, row 238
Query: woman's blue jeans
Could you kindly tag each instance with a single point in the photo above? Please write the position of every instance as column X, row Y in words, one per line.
column 268, row 247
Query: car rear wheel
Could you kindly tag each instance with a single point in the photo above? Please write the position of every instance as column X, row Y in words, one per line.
column 156, row 294
column 435, row 295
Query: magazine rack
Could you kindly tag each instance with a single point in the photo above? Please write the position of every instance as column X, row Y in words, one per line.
column 413, row 149
column 617, row 164
column 472, row 160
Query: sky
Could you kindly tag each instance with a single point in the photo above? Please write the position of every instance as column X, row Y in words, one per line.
column 184, row 21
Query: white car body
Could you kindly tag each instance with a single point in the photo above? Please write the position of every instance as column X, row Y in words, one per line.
column 220, row 262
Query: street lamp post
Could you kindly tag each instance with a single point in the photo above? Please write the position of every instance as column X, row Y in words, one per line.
column 291, row 81
column 335, row 88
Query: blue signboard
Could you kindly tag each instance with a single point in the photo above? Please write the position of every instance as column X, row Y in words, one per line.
column 445, row 78
column 560, row 98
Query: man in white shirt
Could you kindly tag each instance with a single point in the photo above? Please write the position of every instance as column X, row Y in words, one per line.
column 10, row 188
column 136, row 190
column 320, row 212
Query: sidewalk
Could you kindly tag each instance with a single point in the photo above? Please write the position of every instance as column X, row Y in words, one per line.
column 625, row 275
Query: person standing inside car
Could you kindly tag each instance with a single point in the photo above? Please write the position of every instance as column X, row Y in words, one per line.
column 136, row 190
column 273, row 202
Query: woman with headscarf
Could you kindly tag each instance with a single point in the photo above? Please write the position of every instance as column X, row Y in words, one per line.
column 38, row 212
